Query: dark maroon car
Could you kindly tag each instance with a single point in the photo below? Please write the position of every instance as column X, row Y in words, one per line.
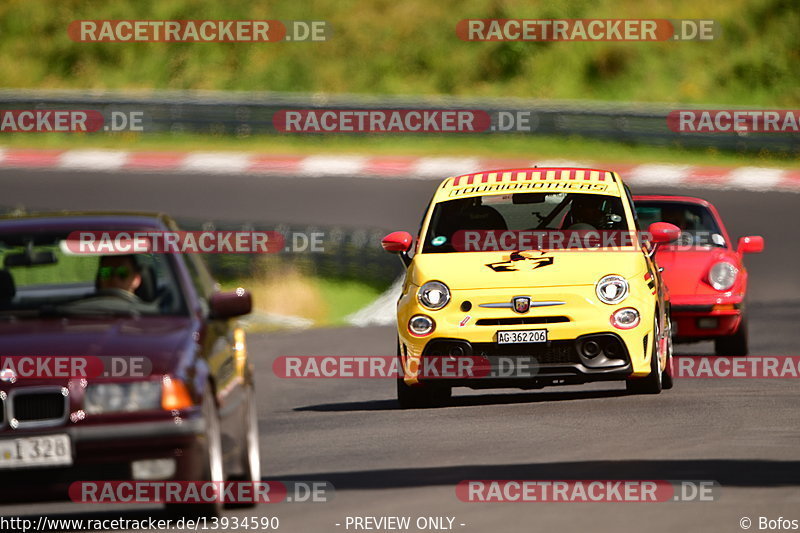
column 184, row 411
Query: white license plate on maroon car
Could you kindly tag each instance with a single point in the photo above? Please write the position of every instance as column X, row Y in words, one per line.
column 523, row 336
column 45, row 450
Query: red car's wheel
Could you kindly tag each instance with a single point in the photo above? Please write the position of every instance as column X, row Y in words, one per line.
column 736, row 344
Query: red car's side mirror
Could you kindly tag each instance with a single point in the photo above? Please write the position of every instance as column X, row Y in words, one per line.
column 398, row 242
column 664, row 232
column 752, row 244
column 230, row 304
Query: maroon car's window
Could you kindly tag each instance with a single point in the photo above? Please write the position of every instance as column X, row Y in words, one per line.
column 44, row 278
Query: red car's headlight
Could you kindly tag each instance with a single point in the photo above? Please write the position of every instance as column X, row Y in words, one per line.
column 722, row 275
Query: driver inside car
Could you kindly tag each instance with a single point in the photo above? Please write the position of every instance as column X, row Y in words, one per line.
column 118, row 275
column 587, row 213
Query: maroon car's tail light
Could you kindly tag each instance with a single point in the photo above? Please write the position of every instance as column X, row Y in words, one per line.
column 174, row 394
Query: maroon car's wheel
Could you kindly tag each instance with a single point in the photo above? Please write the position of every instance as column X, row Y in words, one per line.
column 736, row 344
column 251, row 454
column 212, row 465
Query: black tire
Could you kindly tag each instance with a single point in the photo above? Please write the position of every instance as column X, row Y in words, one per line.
column 251, row 454
column 422, row 396
column 736, row 344
column 667, row 381
column 653, row 382
column 212, row 469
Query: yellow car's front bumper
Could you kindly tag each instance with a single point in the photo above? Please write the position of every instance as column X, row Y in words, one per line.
column 572, row 316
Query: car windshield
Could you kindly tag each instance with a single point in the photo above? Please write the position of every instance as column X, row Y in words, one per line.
column 544, row 213
column 42, row 277
column 696, row 222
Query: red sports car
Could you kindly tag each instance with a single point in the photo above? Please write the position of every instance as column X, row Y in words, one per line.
column 705, row 274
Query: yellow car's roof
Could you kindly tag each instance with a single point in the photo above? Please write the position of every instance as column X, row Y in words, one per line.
column 584, row 180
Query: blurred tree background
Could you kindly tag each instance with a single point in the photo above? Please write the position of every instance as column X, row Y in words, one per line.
column 410, row 47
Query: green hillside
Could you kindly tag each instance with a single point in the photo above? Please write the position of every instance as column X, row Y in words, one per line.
column 410, row 47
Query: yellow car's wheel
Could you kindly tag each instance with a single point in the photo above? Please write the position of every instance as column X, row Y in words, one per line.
column 666, row 379
column 421, row 396
column 653, row 383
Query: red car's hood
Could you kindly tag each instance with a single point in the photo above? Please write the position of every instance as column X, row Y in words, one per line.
column 155, row 338
column 686, row 271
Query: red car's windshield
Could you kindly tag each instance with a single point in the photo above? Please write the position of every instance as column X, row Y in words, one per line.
column 697, row 223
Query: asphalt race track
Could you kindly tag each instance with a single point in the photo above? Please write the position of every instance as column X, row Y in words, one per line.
column 387, row 462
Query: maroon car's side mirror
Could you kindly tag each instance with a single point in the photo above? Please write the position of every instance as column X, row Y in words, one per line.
column 230, row 304
column 399, row 242
column 752, row 244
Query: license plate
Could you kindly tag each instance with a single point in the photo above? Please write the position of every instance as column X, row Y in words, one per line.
column 46, row 450
column 524, row 336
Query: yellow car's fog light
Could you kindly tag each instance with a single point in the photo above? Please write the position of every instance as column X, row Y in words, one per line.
column 421, row 325
column 625, row 318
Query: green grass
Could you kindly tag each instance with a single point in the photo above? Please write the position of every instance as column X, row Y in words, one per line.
column 327, row 301
column 410, row 47
column 487, row 146
column 344, row 297
column 67, row 269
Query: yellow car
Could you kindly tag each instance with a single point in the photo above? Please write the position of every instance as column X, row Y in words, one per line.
column 531, row 277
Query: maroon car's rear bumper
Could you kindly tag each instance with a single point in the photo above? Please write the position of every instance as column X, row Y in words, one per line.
column 105, row 453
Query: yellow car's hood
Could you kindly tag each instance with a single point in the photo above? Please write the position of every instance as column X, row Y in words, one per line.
column 484, row 270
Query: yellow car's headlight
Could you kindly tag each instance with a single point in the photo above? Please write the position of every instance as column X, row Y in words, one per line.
column 433, row 295
column 612, row 289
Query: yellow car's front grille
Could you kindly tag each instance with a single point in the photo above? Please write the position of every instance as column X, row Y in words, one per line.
column 520, row 321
